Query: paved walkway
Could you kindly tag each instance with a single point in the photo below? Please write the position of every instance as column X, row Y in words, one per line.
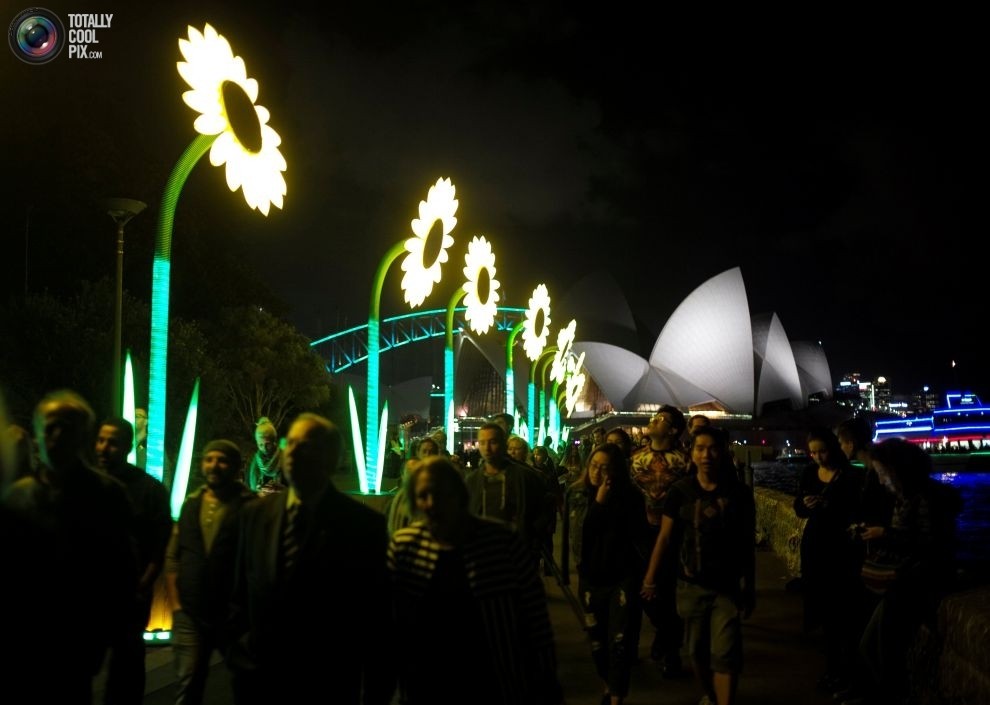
column 781, row 664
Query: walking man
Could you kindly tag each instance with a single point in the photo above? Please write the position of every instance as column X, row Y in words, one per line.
column 152, row 528
column 200, row 568
column 313, row 600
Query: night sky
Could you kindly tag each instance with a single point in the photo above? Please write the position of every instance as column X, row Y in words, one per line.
column 834, row 164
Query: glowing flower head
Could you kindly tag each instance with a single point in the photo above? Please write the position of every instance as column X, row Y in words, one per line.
column 225, row 98
column 480, row 274
column 565, row 338
column 575, row 382
column 535, row 340
column 419, row 277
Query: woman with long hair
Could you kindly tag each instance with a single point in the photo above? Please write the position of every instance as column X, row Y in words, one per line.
column 828, row 497
column 610, row 566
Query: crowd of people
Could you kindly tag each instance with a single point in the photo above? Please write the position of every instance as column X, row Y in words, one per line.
column 662, row 529
column 877, row 555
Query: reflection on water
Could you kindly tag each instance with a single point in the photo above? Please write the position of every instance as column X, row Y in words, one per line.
column 784, row 477
column 969, row 474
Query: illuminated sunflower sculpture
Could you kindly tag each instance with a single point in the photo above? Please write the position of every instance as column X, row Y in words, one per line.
column 236, row 132
column 224, row 97
column 558, row 374
column 565, row 339
column 481, row 287
column 417, row 283
column 535, row 328
column 420, row 276
column 480, row 292
column 574, row 383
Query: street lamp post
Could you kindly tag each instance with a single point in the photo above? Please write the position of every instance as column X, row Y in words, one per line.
column 121, row 210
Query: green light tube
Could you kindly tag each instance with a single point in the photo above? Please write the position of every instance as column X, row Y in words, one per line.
column 543, row 420
column 547, row 357
column 510, row 391
column 382, row 428
column 129, row 405
column 553, row 415
column 448, row 399
column 530, row 403
column 374, row 346
column 510, row 384
column 160, row 275
column 183, row 465
column 448, row 369
column 358, row 445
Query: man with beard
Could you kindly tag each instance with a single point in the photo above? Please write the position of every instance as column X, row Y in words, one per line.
column 152, row 528
column 201, row 562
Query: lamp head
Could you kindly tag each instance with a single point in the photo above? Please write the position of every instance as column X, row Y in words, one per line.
column 122, row 209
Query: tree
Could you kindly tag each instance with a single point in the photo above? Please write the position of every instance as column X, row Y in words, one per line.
column 267, row 368
column 67, row 342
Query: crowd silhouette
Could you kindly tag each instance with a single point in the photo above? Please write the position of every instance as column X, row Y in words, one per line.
column 266, row 554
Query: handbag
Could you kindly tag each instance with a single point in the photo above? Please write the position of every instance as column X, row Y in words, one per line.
column 880, row 571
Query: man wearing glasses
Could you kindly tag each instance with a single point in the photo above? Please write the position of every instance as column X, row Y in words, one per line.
column 655, row 468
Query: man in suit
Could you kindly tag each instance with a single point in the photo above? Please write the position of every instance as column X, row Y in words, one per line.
column 313, row 603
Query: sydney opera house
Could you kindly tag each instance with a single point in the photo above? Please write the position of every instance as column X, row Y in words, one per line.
column 712, row 353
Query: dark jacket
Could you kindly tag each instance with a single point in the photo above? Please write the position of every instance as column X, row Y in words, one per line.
column 206, row 581
column 152, row 514
column 319, row 627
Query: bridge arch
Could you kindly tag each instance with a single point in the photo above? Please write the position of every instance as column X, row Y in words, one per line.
column 344, row 349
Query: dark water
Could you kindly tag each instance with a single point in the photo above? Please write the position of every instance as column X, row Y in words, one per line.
column 969, row 474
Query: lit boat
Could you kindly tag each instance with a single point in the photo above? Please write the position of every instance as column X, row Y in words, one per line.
column 793, row 455
column 964, row 422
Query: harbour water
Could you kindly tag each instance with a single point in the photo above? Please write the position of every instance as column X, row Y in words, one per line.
column 970, row 474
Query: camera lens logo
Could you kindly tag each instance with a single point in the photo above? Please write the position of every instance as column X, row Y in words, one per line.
column 36, row 35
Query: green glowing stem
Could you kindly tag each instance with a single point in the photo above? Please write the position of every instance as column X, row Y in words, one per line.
column 160, row 275
column 374, row 346
column 510, row 381
column 546, row 357
column 530, row 411
column 448, row 370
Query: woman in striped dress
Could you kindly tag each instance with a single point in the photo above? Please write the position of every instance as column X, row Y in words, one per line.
column 470, row 607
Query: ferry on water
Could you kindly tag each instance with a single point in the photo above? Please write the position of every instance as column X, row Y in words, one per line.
column 963, row 424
